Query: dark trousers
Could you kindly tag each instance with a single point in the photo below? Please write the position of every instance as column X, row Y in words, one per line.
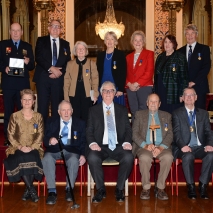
column 11, row 98
column 124, row 157
column 188, row 164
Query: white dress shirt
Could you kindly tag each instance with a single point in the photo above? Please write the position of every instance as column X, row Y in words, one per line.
column 57, row 45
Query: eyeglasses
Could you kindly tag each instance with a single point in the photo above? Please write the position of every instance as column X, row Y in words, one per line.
column 109, row 91
column 55, row 26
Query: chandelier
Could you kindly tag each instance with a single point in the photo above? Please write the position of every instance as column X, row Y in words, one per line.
column 110, row 23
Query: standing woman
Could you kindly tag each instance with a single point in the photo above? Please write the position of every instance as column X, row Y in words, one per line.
column 81, row 76
column 140, row 70
column 171, row 75
column 111, row 65
column 25, row 133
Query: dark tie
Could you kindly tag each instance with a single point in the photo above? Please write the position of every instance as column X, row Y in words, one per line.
column 193, row 141
column 16, row 44
column 54, row 52
column 111, row 130
column 189, row 54
column 64, row 133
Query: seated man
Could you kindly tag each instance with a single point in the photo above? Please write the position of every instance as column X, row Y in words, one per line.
column 145, row 150
column 73, row 143
column 193, row 139
column 109, row 134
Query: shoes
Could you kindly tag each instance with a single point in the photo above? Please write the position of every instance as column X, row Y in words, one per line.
column 33, row 194
column 191, row 191
column 68, row 195
column 119, row 195
column 6, row 142
column 161, row 194
column 145, row 194
column 51, row 199
column 101, row 193
column 203, row 190
column 26, row 195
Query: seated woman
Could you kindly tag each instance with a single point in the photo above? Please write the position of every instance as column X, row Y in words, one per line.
column 25, row 133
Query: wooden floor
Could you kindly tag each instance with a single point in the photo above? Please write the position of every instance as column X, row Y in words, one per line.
column 11, row 202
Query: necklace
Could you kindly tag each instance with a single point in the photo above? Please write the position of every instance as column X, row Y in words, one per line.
column 110, row 56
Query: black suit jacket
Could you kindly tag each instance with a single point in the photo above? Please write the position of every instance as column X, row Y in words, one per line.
column 43, row 57
column 199, row 69
column 119, row 74
column 53, row 129
column 181, row 131
column 14, row 82
column 95, row 125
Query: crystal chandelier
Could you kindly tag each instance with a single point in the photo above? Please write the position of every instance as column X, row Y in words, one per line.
column 110, row 23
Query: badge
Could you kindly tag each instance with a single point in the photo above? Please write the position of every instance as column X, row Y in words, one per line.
column 75, row 135
column 191, row 129
column 8, row 50
column 87, row 71
column 65, row 51
column 166, row 127
column 199, row 56
column 24, row 52
column 140, row 63
column 35, row 128
column 114, row 67
column 173, row 67
column 108, row 112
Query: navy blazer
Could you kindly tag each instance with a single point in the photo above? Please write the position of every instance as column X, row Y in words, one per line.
column 52, row 129
column 8, row 50
column 43, row 57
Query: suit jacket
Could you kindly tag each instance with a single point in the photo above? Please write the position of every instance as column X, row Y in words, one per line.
column 140, row 128
column 174, row 81
column 182, row 134
column 8, row 50
column 95, row 125
column 43, row 57
column 119, row 74
column 90, row 78
column 143, row 71
column 52, row 129
column 199, row 69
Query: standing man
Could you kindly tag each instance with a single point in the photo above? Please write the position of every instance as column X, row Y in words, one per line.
column 51, row 54
column 109, row 134
column 13, row 84
column 199, row 64
column 73, row 143
column 145, row 150
column 193, row 139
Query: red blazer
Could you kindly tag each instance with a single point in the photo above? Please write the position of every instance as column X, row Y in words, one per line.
column 143, row 71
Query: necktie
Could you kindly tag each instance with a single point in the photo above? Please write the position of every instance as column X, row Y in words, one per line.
column 152, row 123
column 54, row 52
column 64, row 133
column 16, row 44
column 189, row 54
column 111, row 130
column 193, row 141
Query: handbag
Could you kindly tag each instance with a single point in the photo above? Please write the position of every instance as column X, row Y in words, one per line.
column 91, row 91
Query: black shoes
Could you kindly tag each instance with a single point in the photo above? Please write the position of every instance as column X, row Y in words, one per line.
column 101, row 193
column 191, row 191
column 51, row 199
column 119, row 195
column 68, row 195
column 203, row 190
column 26, row 195
column 33, row 194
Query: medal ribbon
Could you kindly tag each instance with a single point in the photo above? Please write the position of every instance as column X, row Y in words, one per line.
column 193, row 118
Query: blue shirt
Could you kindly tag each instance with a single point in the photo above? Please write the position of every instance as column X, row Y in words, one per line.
column 18, row 42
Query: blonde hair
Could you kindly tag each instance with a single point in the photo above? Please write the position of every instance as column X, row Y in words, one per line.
column 76, row 45
column 140, row 33
column 111, row 33
column 27, row 92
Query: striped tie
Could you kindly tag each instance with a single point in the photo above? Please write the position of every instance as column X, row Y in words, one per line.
column 189, row 54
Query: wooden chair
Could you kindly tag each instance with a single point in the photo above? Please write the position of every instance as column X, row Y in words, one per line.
column 61, row 162
column 136, row 162
column 178, row 162
column 90, row 181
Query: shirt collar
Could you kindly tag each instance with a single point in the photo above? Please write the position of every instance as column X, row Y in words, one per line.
column 111, row 105
column 193, row 45
column 16, row 41
column 51, row 39
column 66, row 121
column 188, row 110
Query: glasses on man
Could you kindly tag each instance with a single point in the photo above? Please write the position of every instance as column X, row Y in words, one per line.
column 55, row 26
column 108, row 91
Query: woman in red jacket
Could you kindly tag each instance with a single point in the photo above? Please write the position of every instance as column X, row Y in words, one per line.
column 140, row 70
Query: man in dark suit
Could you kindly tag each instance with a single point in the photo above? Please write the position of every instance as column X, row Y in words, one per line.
column 51, row 54
column 109, row 134
column 199, row 64
column 12, row 85
column 73, row 143
column 144, row 148
column 193, row 139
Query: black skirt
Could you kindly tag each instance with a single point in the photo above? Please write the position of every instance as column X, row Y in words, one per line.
column 20, row 163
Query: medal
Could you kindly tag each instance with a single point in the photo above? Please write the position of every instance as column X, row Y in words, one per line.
column 191, row 118
column 75, row 135
column 87, row 71
column 140, row 63
column 114, row 67
column 166, row 127
column 65, row 51
column 191, row 129
column 35, row 128
column 173, row 68
column 108, row 112
column 16, row 71
column 24, row 52
column 8, row 50
column 199, row 56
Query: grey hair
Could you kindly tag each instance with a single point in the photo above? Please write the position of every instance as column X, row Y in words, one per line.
column 190, row 89
column 147, row 100
column 111, row 33
column 76, row 45
column 107, row 83
column 64, row 101
column 191, row 27
column 140, row 33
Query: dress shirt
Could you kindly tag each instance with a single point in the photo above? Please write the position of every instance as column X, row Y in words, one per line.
column 18, row 42
column 187, row 48
column 57, row 45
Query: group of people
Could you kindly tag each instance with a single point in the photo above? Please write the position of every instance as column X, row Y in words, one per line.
column 94, row 133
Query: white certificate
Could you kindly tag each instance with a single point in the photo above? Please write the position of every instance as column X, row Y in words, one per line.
column 16, row 62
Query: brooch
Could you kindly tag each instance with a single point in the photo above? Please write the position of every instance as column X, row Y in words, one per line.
column 173, row 67
column 87, row 71
column 166, row 127
column 140, row 63
column 8, row 50
column 199, row 56
column 75, row 135
column 114, row 67
column 65, row 51
column 35, row 128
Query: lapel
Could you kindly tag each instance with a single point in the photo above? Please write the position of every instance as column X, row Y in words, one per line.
column 62, row 50
column 131, row 61
column 117, row 116
column 163, row 121
column 195, row 53
column 185, row 117
column 48, row 49
column 140, row 60
column 100, row 114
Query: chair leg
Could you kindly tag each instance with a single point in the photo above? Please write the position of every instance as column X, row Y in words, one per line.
column 88, row 182
column 171, row 178
column 176, row 168
column 39, row 188
column 126, row 188
column 81, row 171
column 45, row 186
column 2, row 180
column 134, row 173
